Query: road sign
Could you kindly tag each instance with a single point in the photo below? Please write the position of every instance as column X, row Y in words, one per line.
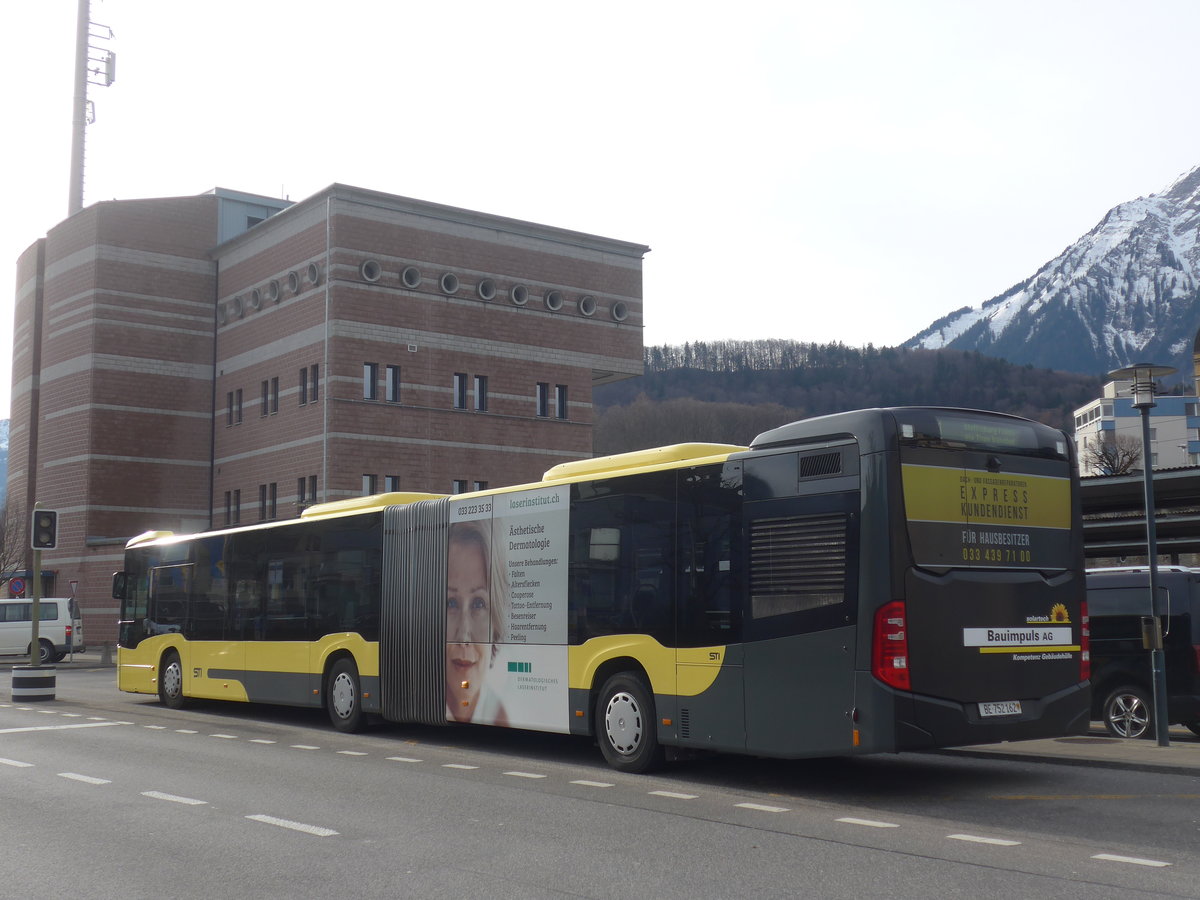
column 16, row 586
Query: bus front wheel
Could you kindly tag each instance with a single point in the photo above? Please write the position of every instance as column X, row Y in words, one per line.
column 170, row 681
column 626, row 726
column 343, row 696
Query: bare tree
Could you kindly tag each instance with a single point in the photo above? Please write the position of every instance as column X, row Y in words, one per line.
column 13, row 540
column 1116, row 455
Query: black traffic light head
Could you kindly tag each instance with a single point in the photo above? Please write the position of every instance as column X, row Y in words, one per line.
column 43, row 531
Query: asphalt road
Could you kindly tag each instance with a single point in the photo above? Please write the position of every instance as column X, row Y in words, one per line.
column 111, row 795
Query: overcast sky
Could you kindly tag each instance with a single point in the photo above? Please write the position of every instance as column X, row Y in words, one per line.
column 847, row 170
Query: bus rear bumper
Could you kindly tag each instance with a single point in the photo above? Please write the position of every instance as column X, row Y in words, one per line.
column 946, row 723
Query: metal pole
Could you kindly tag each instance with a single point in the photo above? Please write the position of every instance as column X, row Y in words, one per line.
column 79, row 108
column 1157, row 658
column 35, row 611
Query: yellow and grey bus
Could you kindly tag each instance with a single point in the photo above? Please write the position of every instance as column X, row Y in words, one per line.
column 870, row 581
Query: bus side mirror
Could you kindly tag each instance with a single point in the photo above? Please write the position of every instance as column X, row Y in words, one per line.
column 118, row 588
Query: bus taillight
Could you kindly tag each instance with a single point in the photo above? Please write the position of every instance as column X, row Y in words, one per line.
column 1085, row 642
column 889, row 650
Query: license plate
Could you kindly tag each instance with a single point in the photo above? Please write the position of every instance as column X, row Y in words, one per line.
column 1000, row 708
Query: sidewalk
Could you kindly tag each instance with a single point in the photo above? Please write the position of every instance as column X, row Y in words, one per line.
column 1098, row 749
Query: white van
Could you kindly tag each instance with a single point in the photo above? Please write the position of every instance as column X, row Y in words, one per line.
column 60, row 629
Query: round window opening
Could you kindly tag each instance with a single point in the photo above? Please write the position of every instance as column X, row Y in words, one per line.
column 520, row 295
column 411, row 277
column 449, row 283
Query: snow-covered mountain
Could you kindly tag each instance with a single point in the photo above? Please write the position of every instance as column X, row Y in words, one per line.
column 1127, row 291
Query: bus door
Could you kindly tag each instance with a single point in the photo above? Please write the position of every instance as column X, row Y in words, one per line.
column 800, row 627
column 992, row 600
column 708, row 624
column 215, row 658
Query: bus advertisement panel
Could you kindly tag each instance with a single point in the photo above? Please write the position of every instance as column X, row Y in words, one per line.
column 506, row 610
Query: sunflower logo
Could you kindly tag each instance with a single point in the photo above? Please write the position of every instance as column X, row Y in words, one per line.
column 1059, row 615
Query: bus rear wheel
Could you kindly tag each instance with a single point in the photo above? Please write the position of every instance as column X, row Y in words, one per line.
column 626, row 725
column 342, row 696
column 170, row 681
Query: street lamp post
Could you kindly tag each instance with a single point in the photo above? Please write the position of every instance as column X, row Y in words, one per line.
column 1142, row 375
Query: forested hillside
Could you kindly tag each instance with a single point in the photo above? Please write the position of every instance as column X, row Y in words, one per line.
column 730, row 391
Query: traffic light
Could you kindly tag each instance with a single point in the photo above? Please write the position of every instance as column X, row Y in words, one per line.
column 43, row 535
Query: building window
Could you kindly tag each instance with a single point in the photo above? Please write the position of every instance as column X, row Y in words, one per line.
column 370, row 381
column 304, row 385
column 237, row 506
column 391, row 483
column 273, row 499
column 543, row 398
column 229, row 408
column 480, row 486
column 300, row 483
column 237, row 407
column 460, row 390
column 369, row 484
column 392, row 385
column 312, row 488
column 481, row 393
column 315, row 372
column 228, row 508
column 275, row 394
column 266, row 398
column 460, row 486
column 560, row 401
column 262, row 502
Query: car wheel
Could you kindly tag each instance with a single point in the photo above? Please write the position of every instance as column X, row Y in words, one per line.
column 170, row 681
column 1126, row 713
column 626, row 725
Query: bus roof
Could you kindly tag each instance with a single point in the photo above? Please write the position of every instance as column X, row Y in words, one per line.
column 672, row 455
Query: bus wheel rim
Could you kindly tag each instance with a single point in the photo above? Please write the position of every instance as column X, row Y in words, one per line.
column 172, row 679
column 343, row 695
column 623, row 723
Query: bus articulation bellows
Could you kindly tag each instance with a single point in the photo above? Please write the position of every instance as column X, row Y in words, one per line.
column 870, row 581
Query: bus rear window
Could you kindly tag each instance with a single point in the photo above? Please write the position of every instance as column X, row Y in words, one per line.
column 959, row 431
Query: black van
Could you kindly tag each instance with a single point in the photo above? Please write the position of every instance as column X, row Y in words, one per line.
column 1122, row 685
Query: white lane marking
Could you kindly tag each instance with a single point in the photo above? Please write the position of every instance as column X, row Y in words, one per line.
column 294, row 826
column 86, row 779
column 351, row 753
column 260, row 741
column 1137, row 861
column 976, row 839
column 524, row 775
column 761, row 807
column 186, row 731
column 595, row 784
column 673, row 795
column 15, row 763
column 304, row 747
column 48, row 712
column 174, row 798
column 156, row 727
column 404, row 759
column 54, row 727
column 457, row 766
column 72, row 715
column 869, row 823
column 96, row 719
column 225, row 737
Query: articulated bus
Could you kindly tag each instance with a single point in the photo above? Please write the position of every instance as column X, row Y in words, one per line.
column 870, row 581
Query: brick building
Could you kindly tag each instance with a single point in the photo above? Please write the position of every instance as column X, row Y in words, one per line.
column 191, row 362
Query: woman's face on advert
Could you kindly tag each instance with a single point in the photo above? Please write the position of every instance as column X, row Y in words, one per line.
column 468, row 626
